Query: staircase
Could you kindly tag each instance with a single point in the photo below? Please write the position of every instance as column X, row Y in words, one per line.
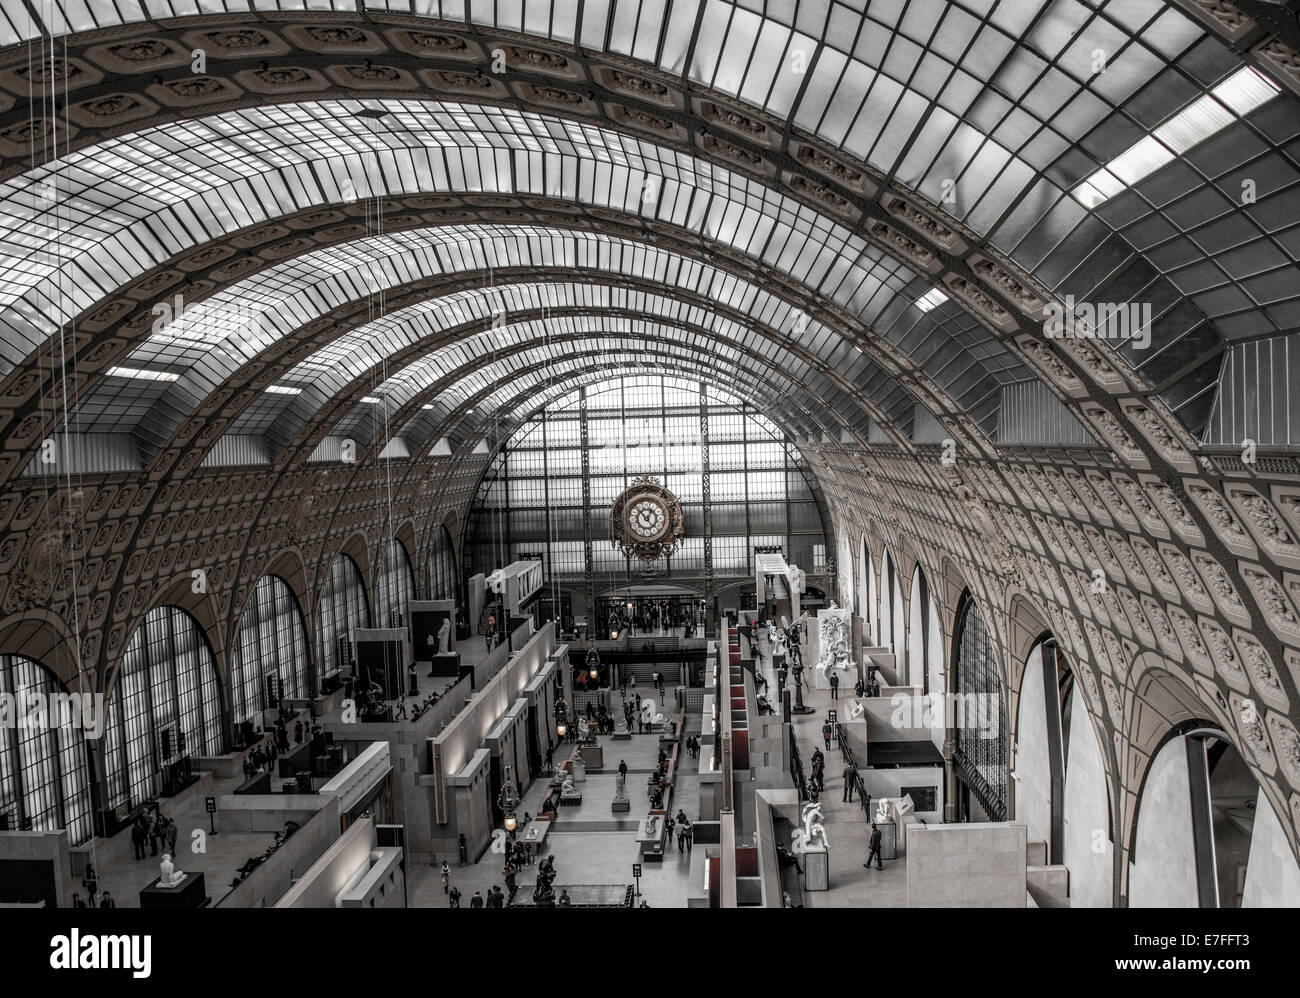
column 1047, row 886
column 883, row 659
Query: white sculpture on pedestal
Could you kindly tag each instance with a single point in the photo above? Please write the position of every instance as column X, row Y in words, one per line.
column 444, row 637
column 169, row 876
column 649, row 828
column 813, row 833
column 833, row 632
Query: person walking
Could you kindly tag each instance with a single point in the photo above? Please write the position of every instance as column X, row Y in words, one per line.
column 826, row 734
column 850, row 778
column 476, row 901
column 107, row 901
column 138, row 836
column 622, row 768
column 446, row 877
column 454, row 898
column 91, row 882
column 875, row 848
column 835, row 685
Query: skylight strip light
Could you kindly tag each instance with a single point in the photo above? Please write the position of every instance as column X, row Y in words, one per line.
column 1246, row 90
column 369, row 400
column 931, row 299
column 282, row 390
column 1194, row 123
column 1234, row 98
column 142, row 375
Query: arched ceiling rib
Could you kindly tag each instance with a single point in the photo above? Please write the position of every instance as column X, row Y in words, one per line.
column 238, row 324
column 425, row 382
column 232, row 170
column 542, row 379
column 524, row 368
column 464, row 318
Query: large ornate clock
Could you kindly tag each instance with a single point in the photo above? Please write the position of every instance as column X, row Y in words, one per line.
column 646, row 520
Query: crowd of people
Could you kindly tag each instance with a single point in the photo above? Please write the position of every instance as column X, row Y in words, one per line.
column 656, row 617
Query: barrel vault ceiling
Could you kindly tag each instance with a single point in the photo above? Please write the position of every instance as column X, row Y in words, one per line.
column 234, row 235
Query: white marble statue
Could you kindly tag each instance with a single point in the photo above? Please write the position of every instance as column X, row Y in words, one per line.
column 620, row 787
column 647, row 711
column 651, row 826
column 584, row 730
column 169, row 876
column 444, row 637
column 812, row 835
column 567, row 788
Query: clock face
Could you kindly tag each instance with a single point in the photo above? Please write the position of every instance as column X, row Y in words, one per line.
column 646, row 518
column 646, row 521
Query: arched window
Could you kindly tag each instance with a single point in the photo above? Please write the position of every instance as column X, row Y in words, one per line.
column 866, row 590
column 394, row 585
column 442, row 567
column 343, row 607
column 272, row 642
column 44, row 777
column 925, row 640
column 166, row 704
column 981, row 754
column 892, row 621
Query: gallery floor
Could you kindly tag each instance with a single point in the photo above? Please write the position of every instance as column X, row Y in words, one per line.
column 592, row 846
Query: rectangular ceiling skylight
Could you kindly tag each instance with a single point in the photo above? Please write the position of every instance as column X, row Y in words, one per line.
column 931, row 299
column 141, row 375
column 1234, row 98
column 369, row 400
column 282, row 390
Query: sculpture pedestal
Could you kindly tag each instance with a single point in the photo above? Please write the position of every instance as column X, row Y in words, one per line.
column 593, row 756
column 620, row 804
column 191, row 892
column 579, row 772
column 817, row 870
column 445, row 665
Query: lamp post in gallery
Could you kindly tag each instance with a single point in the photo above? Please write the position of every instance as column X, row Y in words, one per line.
column 508, row 801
